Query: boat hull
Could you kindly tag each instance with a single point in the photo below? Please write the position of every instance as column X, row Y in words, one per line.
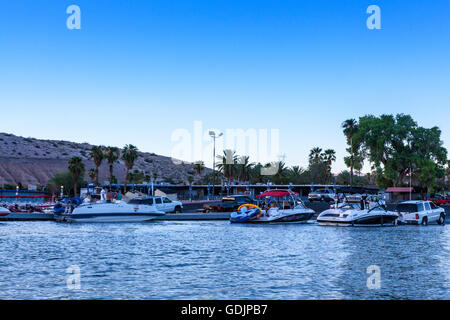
column 373, row 220
column 4, row 212
column 117, row 217
column 110, row 212
column 294, row 217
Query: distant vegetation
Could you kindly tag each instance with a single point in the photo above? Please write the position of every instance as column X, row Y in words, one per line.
column 393, row 146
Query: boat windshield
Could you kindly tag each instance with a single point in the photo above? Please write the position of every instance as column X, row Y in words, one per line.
column 350, row 205
column 286, row 202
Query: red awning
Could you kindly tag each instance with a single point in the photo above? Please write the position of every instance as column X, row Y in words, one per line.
column 399, row 189
column 276, row 193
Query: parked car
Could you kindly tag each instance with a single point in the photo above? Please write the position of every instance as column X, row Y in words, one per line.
column 439, row 199
column 228, row 204
column 421, row 212
column 321, row 195
column 162, row 203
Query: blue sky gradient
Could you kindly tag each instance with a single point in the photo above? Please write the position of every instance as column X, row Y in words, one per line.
column 138, row 70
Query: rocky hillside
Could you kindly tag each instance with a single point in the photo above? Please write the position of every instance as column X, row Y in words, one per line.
column 34, row 161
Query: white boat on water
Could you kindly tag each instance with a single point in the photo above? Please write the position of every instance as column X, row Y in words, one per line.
column 283, row 206
column 359, row 210
column 136, row 210
column 4, row 212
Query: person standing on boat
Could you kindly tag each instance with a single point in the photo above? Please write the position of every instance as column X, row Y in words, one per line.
column 87, row 199
column 109, row 196
column 103, row 194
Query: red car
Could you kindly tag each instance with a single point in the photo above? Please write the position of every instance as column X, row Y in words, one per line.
column 439, row 199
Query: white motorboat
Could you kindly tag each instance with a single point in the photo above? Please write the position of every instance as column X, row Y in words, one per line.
column 4, row 212
column 282, row 206
column 358, row 211
column 136, row 210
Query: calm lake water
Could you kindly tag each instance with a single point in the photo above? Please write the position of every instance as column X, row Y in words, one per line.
column 216, row 260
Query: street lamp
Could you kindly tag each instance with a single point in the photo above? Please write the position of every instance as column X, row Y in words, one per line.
column 17, row 190
column 214, row 136
column 62, row 191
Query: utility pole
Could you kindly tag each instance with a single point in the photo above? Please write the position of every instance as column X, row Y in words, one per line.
column 214, row 136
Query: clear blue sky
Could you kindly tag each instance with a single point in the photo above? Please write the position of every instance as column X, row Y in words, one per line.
column 138, row 70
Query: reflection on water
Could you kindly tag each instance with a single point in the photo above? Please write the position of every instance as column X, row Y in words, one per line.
column 216, row 260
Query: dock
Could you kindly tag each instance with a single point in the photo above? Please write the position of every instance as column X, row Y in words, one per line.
column 194, row 216
column 15, row 216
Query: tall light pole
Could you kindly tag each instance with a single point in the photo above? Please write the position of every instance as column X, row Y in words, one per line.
column 214, row 136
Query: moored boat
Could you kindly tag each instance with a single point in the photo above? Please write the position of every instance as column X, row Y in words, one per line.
column 357, row 210
column 245, row 213
column 283, row 206
column 137, row 210
column 4, row 212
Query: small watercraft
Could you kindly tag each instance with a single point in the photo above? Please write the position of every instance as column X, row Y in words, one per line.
column 245, row 213
column 280, row 206
column 4, row 212
column 357, row 210
column 72, row 210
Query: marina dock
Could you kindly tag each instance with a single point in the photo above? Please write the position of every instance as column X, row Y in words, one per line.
column 15, row 216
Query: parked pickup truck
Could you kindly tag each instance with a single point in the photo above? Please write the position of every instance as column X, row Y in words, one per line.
column 321, row 195
column 228, row 204
column 439, row 199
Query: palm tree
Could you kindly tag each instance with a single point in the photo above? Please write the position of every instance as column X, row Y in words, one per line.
column 350, row 127
column 129, row 156
column 245, row 167
column 227, row 163
column 92, row 174
column 76, row 168
column 315, row 155
column 199, row 166
column 295, row 173
column 329, row 157
column 281, row 173
column 111, row 154
column 97, row 154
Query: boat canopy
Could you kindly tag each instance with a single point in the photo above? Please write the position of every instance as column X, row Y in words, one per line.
column 277, row 193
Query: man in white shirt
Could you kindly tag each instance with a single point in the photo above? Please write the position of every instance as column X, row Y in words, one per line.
column 103, row 195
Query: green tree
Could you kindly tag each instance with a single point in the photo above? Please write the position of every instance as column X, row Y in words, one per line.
column 97, row 155
column 129, row 156
column 243, row 168
column 295, row 174
column 329, row 156
column 318, row 168
column 395, row 144
column 64, row 179
column 199, row 166
column 111, row 155
column 227, row 163
column 76, row 169
column 92, row 175
column 350, row 127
